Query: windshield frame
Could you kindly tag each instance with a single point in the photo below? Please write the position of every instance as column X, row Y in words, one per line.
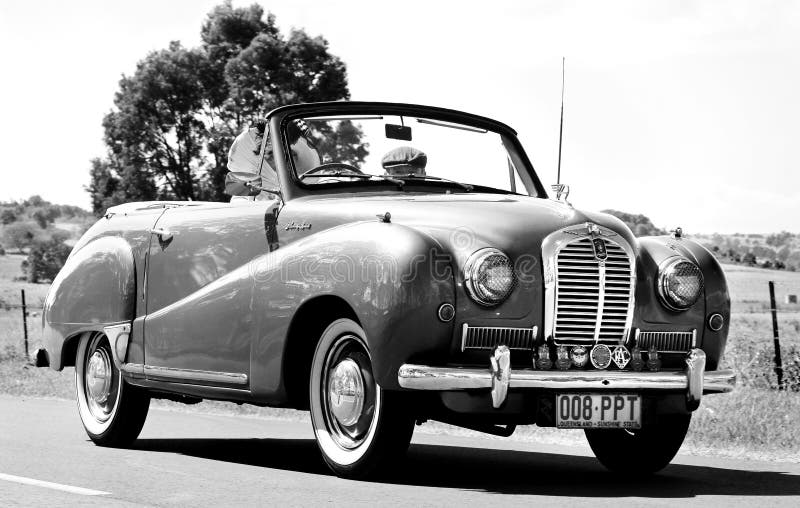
column 293, row 187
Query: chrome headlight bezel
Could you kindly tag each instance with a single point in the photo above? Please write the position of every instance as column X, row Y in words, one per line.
column 475, row 267
column 666, row 271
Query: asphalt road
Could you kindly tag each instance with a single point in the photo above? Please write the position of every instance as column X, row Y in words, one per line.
column 190, row 459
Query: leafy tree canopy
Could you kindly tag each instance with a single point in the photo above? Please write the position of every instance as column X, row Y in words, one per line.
column 176, row 116
column 639, row 224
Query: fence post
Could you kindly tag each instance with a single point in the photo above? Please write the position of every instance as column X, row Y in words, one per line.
column 775, row 338
column 25, row 324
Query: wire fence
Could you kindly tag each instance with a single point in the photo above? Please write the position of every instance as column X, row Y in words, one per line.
column 755, row 348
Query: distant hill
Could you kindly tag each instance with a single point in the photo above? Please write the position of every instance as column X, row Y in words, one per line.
column 34, row 220
column 779, row 251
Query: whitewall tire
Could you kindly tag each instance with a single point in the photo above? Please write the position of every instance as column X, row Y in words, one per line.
column 360, row 428
column 112, row 411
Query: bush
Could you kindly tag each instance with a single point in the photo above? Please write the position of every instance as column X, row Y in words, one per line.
column 19, row 235
column 45, row 215
column 2, row 251
column 45, row 260
column 7, row 216
column 60, row 235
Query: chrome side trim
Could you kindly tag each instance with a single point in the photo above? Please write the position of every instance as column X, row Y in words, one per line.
column 136, row 369
column 185, row 375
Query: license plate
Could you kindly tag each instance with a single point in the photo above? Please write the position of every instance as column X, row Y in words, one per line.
column 594, row 411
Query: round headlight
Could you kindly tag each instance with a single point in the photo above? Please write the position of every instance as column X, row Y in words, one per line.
column 489, row 276
column 680, row 283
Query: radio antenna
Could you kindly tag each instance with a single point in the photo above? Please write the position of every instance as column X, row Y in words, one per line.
column 561, row 125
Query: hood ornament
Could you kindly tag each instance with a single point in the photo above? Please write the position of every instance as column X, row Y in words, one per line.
column 590, row 229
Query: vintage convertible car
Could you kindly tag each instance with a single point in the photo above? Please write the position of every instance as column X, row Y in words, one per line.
column 382, row 265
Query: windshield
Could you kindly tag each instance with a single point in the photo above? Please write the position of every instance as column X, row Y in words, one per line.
column 341, row 150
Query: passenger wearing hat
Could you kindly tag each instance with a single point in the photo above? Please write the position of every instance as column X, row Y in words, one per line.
column 404, row 161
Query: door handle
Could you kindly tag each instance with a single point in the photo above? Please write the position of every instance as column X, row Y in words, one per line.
column 163, row 234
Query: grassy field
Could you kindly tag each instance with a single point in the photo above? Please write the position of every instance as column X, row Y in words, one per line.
column 754, row 421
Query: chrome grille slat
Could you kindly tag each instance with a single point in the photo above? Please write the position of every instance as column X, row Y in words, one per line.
column 592, row 298
column 489, row 337
column 666, row 342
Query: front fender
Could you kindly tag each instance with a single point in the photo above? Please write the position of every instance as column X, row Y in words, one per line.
column 651, row 314
column 96, row 287
column 393, row 277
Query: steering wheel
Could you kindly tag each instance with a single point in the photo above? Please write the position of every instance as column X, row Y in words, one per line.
column 331, row 165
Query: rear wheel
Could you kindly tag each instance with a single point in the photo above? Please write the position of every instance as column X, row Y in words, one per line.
column 112, row 411
column 361, row 429
column 642, row 451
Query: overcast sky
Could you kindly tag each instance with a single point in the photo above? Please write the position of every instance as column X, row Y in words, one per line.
column 687, row 112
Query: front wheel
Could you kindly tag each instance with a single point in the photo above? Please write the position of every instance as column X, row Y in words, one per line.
column 112, row 411
column 642, row 451
column 361, row 429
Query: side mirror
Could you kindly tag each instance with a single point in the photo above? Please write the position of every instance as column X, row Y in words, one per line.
column 239, row 183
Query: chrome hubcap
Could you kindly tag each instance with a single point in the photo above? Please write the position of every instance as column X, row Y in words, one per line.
column 100, row 379
column 98, row 376
column 346, row 392
column 349, row 392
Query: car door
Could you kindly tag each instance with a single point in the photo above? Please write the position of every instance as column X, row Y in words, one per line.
column 200, row 324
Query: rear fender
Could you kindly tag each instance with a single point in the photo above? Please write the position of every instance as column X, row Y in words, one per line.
column 95, row 288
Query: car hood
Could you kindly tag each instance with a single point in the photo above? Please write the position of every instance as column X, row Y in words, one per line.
column 459, row 222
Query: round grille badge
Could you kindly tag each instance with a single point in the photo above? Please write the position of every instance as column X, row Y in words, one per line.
column 579, row 356
column 600, row 356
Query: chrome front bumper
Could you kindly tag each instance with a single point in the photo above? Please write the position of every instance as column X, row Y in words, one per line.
column 693, row 380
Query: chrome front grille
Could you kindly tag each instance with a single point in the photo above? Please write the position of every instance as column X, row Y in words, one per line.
column 666, row 342
column 489, row 337
column 592, row 297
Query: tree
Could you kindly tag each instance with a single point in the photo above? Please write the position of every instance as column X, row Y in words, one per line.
column 41, row 217
column 34, row 201
column 8, row 216
column 778, row 240
column 19, row 235
column 45, row 260
column 175, row 118
column 640, row 225
column 749, row 259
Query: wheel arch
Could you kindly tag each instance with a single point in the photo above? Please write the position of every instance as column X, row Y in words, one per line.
column 305, row 330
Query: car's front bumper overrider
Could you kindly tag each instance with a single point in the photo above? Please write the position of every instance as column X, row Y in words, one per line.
column 694, row 381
